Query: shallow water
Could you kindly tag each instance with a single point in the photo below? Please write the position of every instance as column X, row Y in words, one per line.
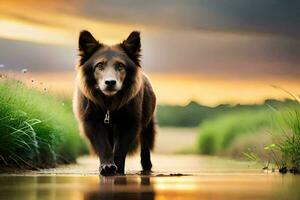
column 174, row 177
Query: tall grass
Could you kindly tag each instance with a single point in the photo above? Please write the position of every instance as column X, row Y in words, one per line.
column 287, row 143
column 37, row 129
column 293, row 141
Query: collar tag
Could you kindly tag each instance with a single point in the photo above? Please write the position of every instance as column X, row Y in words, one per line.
column 106, row 119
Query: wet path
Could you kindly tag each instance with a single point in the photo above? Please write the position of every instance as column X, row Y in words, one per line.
column 174, row 177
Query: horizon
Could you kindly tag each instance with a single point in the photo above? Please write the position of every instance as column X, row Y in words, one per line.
column 209, row 92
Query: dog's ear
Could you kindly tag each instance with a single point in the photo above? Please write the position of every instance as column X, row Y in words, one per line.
column 87, row 45
column 132, row 46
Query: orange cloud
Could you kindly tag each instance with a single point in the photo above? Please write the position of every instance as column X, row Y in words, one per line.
column 47, row 25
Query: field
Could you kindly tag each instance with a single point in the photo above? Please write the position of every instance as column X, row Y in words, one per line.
column 38, row 129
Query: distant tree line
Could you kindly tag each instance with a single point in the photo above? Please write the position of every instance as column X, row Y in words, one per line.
column 194, row 113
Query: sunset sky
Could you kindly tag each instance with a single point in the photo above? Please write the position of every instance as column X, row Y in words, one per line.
column 210, row 51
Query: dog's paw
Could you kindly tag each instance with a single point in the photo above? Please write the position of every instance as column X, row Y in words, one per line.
column 146, row 172
column 108, row 169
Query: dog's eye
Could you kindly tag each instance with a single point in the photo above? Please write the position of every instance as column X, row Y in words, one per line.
column 100, row 65
column 120, row 66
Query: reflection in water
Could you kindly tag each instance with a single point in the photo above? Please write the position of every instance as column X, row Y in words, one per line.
column 155, row 187
column 180, row 177
column 113, row 188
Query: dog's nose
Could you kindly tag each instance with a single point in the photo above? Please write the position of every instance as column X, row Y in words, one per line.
column 110, row 83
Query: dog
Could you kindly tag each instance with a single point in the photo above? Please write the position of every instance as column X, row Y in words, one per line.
column 114, row 102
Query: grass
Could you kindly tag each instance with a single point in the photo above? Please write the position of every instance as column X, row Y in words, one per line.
column 37, row 129
column 285, row 151
column 217, row 135
column 291, row 142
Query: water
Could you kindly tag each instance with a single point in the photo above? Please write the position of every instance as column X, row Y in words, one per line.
column 174, row 177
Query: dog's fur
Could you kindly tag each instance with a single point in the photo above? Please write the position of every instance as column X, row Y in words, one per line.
column 131, row 106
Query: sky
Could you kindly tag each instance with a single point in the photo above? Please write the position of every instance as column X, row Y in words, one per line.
column 206, row 50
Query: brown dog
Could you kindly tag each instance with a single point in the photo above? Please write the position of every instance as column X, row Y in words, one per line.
column 114, row 101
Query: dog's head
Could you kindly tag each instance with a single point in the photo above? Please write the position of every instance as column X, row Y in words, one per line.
column 109, row 68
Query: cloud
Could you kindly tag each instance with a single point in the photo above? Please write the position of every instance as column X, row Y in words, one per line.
column 171, row 52
column 267, row 16
column 212, row 53
column 229, row 37
column 17, row 55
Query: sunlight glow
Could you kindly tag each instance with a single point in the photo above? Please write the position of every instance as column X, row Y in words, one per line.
column 181, row 89
column 65, row 32
column 18, row 30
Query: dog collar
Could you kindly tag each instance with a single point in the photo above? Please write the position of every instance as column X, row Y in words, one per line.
column 106, row 119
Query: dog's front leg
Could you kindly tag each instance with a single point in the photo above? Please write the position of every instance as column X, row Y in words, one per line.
column 98, row 136
column 126, row 138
